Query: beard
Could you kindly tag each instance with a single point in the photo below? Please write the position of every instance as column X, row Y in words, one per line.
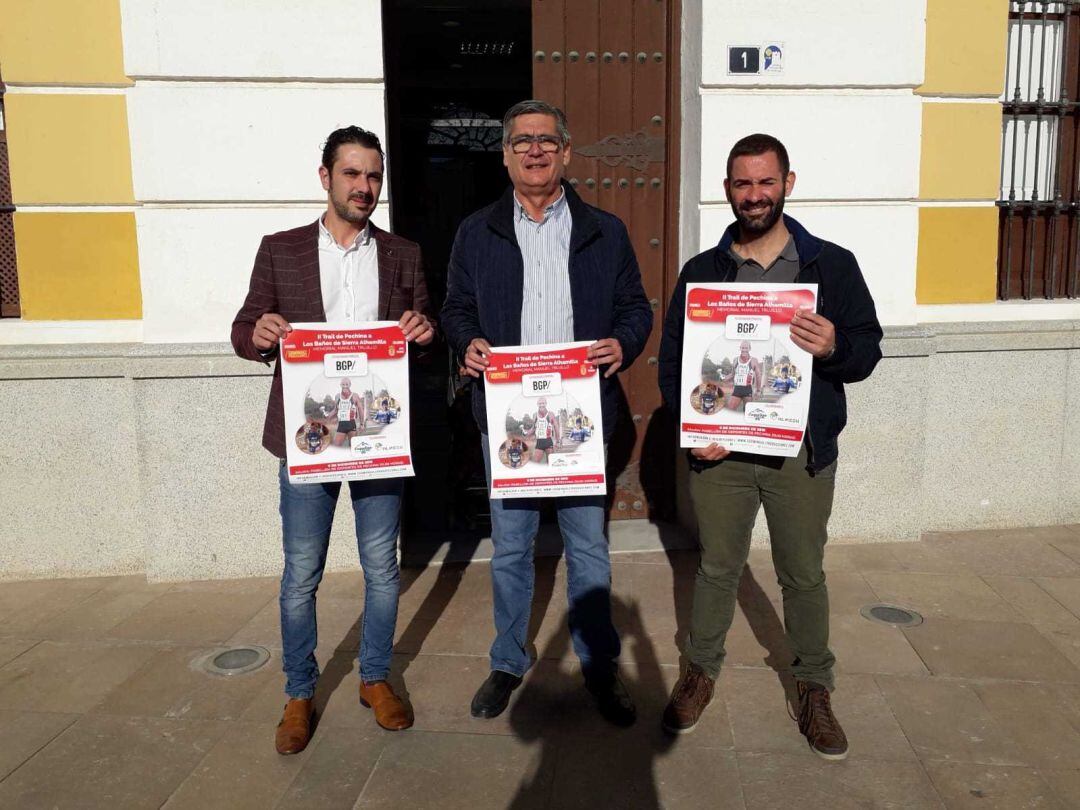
column 759, row 223
column 342, row 209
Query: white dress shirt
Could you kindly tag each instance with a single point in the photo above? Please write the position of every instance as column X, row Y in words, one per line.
column 349, row 277
column 547, row 308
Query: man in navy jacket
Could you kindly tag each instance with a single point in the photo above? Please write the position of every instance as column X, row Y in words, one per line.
column 728, row 488
column 540, row 266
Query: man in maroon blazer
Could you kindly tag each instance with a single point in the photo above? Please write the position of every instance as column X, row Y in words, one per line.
column 339, row 269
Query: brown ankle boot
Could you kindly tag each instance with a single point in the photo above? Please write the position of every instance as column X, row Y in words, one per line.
column 390, row 712
column 818, row 723
column 294, row 730
column 688, row 700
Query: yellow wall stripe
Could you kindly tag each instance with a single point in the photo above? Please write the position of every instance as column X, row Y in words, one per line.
column 78, row 266
column 965, row 47
column 957, row 255
column 69, row 149
column 76, row 42
column 961, row 151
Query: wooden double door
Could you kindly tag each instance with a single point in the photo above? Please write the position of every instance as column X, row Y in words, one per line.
column 612, row 66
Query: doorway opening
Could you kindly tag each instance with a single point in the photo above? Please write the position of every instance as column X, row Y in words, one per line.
column 452, row 69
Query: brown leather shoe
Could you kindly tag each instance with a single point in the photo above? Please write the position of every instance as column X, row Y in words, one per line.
column 294, row 730
column 818, row 723
column 688, row 700
column 390, row 712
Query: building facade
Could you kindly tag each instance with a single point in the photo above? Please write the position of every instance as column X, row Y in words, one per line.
column 150, row 144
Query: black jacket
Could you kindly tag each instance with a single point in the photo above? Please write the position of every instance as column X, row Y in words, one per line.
column 843, row 298
column 486, row 276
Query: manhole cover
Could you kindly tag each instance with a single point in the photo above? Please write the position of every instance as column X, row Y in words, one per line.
column 233, row 661
column 892, row 614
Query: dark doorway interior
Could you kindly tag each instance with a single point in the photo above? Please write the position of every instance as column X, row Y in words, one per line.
column 452, row 69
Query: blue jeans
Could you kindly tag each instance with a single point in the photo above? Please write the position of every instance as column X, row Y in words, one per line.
column 514, row 523
column 307, row 513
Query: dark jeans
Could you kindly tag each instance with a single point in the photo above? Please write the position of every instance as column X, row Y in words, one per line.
column 797, row 507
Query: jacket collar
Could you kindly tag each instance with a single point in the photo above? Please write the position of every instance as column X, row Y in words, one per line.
column 585, row 227
column 808, row 246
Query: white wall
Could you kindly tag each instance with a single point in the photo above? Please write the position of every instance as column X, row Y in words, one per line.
column 844, row 105
column 332, row 39
column 857, row 43
column 231, row 106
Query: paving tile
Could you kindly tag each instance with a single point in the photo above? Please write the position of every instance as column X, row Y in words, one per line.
column 945, row 720
column 864, row 557
column 338, row 624
column 1043, row 719
column 966, row 785
column 1012, row 651
column 784, row 780
column 1025, row 552
column 1033, row 601
column 1065, row 784
column 59, row 676
column 757, row 708
column 1066, row 640
column 170, row 686
column 96, row 615
column 195, row 613
column 588, row 776
column 242, row 770
column 944, row 596
column 422, row 770
column 1065, row 590
column 110, row 762
column 337, row 769
column 12, row 648
column 1068, row 543
column 861, row 645
column 25, row 604
column 24, row 733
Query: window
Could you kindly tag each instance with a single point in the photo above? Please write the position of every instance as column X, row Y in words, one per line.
column 1039, row 203
column 9, row 278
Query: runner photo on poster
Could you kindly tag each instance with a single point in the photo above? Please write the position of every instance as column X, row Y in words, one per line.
column 544, row 422
column 745, row 384
column 346, row 397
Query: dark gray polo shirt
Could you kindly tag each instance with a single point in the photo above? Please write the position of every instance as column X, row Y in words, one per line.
column 782, row 271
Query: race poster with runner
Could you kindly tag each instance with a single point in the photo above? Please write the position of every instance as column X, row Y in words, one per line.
column 545, row 430
column 745, row 384
column 346, row 397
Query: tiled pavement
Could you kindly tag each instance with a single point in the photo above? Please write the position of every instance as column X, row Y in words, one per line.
column 977, row 707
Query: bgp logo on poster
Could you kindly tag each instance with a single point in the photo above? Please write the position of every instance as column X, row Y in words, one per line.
column 747, row 327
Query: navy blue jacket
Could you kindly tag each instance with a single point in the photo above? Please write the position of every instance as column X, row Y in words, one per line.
column 843, row 298
column 487, row 274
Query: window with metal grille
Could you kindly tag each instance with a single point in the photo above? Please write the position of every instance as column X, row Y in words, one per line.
column 1039, row 202
column 9, row 277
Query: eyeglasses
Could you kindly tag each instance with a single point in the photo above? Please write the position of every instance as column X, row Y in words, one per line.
column 523, row 143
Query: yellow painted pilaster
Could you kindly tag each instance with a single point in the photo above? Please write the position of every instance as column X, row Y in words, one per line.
column 78, row 266
column 965, row 47
column 957, row 261
column 69, row 42
column 961, row 151
column 70, row 149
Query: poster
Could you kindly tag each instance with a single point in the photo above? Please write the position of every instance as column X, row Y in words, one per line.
column 545, row 429
column 745, row 384
column 346, row 397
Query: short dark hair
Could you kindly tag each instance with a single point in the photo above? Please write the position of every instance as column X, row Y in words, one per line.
column 536, row 107
column 350, row 134
column 759, row 144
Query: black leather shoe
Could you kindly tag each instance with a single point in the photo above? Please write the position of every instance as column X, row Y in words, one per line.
column 494, row 694
column 613, row 701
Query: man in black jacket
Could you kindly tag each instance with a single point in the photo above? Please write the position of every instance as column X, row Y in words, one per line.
column 540, row 266
column 727, row 488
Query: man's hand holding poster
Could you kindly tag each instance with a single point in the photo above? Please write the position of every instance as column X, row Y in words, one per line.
column 544, row 422
column 745, row 384
column 346, row 393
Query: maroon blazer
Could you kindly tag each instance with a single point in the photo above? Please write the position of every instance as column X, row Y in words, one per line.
column 286, row 281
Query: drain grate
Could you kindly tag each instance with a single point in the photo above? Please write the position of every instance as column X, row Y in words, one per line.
column 893, row 615
column 233, row 661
